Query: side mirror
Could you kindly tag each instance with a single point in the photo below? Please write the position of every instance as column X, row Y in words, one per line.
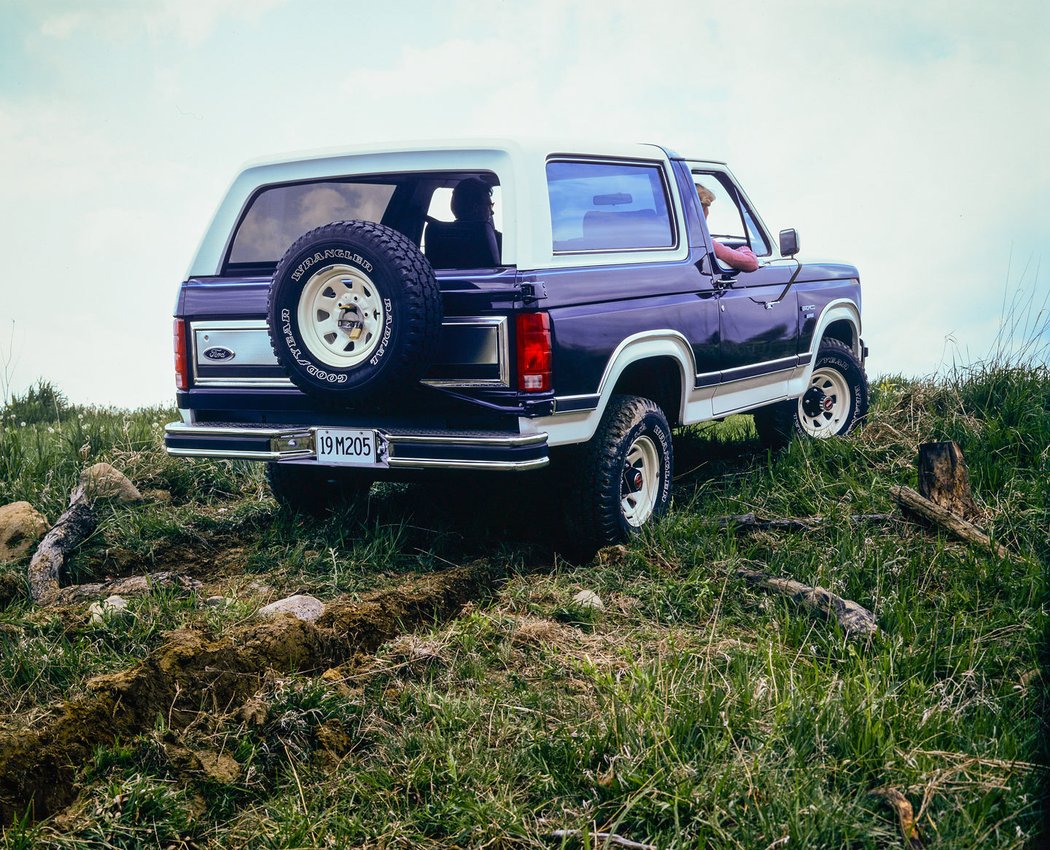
column 788, row 242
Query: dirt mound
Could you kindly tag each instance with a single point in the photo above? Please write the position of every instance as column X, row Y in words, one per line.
column 189, row 675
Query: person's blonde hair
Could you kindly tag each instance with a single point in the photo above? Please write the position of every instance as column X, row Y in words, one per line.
column 706, row 195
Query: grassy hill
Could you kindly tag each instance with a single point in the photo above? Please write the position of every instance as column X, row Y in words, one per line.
column 690, row 711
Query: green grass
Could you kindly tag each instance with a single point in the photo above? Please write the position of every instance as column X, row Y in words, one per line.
column 691, row 712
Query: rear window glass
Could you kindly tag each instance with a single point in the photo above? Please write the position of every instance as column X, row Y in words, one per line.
column 279, row 216
column 598, row 206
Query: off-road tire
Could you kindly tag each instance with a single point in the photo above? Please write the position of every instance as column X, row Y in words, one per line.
column 594, row 477
column 395, row 351
column 779, row 423
column 317, row 490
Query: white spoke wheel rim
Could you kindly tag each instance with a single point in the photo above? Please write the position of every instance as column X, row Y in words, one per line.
column 643, row 458
column 335, row 294
column 831, row 418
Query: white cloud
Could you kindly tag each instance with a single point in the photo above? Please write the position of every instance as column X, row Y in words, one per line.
column 907, row 140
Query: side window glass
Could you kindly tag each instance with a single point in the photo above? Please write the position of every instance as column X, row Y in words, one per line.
column 754, row 235
column 280, row 215
column 728, row 221
column 608, row 207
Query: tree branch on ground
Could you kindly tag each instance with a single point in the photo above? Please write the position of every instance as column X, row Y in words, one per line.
column 856, row 620
column 937, row 515
column 751, row 522
column 48, row 564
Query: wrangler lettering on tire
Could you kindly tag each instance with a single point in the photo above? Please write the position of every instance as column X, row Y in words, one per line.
column 354, row 309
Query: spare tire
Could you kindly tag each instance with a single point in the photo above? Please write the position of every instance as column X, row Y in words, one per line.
column 354, row 309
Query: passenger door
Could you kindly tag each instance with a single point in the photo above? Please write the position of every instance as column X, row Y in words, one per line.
column 759, row 332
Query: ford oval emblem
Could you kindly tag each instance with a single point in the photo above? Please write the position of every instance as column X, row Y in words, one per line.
column 218, row 353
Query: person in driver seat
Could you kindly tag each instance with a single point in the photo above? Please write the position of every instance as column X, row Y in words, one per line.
column 744, row 258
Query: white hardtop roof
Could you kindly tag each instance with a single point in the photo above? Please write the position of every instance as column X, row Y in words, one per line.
column 515, row 148
column 519, row 163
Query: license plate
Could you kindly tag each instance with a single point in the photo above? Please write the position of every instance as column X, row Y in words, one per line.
column 350, row 447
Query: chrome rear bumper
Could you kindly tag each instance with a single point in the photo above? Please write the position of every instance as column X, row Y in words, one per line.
column 406, row 449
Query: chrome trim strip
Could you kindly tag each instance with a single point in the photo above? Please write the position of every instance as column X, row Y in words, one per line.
column 242, row 383
column 666, row 180
column 500, row 323
column 230, row 325
column 576, row 403
column 237, row 326
column 180, row 428
column 510, row 441
column 760, row 363
column 236, row 455
column 522, row 440
column 495, row 466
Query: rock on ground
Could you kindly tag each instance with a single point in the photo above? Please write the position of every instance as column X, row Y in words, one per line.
column 103, row 481
column 112, row 606
column 589, row 599
column 300, row 606
column 21, row 526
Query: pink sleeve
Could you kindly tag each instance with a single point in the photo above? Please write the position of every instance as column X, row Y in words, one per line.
column 744, row 259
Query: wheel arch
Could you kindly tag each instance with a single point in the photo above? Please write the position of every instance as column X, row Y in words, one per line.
column 658, row 378
column 665, row 352
column 840, row 319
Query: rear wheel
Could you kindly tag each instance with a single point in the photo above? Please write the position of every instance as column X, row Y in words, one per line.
column 620, row 481
column 834, row 403
column 317, row 490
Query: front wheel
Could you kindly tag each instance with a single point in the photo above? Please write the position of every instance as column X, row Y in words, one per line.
column 833, row 404
column 620, row 481
column 316, row 490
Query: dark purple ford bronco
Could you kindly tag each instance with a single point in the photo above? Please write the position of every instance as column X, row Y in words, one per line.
column 344, row 322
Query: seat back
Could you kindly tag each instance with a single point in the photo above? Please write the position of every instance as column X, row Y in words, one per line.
column 462, row 245
column 629, row 228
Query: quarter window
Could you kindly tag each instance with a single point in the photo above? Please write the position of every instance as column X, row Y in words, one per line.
column 279, row 216
column 598, row 206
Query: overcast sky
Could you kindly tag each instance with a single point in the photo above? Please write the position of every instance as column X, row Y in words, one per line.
column 907, row 138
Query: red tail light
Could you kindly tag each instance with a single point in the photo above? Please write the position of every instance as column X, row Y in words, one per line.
column 181, row 378
column 534, row 352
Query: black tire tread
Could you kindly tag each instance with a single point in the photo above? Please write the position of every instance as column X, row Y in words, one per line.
column 418, row 282
column 592, row 522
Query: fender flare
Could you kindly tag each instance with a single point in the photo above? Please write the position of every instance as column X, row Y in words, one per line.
column 579, row 425
column 834, row 311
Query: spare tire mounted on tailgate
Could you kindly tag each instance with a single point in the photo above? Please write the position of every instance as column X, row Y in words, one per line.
column 354, row 309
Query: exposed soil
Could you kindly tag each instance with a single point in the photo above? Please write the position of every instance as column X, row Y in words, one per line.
column 210, row 558
column 189, row 674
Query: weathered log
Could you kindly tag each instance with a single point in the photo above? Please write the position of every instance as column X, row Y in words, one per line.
column 50, row 558
column 944, row 479
column 100, row 481
column 856, row 620
column 126, row 586
column 750, row 522
column 962, row 529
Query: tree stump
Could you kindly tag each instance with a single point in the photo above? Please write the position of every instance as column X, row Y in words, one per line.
column 944, row 479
